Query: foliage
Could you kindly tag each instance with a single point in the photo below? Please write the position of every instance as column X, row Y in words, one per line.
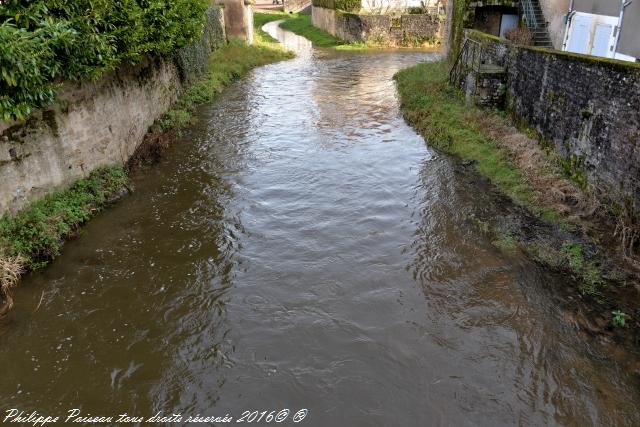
column 192, row 59
column 574, row 255
column 327, row 4
column 348, row 5
column 588, row 272
column 344, row 5
column 619, row 318
column 36, row 233
column 456, row 34
column 519, row 35
column 259, row 19
column 45, row 41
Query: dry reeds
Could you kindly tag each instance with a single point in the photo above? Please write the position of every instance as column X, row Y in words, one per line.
column 11, row 267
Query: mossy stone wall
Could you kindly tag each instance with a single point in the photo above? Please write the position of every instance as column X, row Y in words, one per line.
column 408, row 30
column 588, row 108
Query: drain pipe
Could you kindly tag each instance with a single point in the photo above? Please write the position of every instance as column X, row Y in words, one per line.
column 566, row 26
column 619, row 27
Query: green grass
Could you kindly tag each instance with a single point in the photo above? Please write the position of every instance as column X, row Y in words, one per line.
column 440, row 114
column 259, row 19
column 37, row 232
column 225, row 65
column 302, row 26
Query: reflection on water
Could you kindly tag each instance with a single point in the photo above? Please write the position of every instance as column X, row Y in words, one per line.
column 301, row 247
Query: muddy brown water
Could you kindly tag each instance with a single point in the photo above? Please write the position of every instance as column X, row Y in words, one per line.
column 302, row 247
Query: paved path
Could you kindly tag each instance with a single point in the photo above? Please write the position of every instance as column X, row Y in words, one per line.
column 267, row 5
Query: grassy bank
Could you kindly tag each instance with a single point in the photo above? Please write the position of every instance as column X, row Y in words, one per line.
column 259, row 19
column 439, row 113
column 569, row 235
column 302, row 26
column 36, row 233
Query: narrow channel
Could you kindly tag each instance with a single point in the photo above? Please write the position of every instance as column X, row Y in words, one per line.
column 303, row 247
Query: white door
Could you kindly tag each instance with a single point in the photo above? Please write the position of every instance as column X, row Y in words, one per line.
column 507, row 22
column 579, row 34
column 602, row 41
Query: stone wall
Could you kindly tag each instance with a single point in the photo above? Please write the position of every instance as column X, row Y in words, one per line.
column 296, row 5
column 238, row 17
column 555, row 12
column 586, row 107
column 94, row 124
column 408, row 30
column 323, row 18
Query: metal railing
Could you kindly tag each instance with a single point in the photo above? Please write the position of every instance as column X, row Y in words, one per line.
column 469, row 59
column 529, row 14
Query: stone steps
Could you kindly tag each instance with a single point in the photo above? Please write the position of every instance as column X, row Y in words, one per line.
column 539, row 29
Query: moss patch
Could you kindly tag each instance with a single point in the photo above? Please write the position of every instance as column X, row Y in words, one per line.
column 457, row 27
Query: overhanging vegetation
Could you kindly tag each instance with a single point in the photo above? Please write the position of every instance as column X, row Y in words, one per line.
column 45, row 41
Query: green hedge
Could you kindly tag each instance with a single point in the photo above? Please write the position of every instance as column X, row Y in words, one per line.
column 43, row 42
column 345, row 5
column 327, row 4
column 348, row 5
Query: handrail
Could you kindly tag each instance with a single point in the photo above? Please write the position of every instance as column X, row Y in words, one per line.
column 469, row 58
column 529, row 14
column 453, row 74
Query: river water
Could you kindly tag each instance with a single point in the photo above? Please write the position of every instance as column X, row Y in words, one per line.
column 302, row 247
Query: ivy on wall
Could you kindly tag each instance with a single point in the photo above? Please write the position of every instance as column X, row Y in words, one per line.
column 460, row 7
column 43, row 42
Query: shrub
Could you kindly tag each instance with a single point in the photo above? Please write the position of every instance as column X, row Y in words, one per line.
column 348, row 5
column 327, row 4
column 519, row 35
column 344, row 5
column 45, row 41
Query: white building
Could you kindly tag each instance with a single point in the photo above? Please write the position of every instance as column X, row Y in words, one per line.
column 606, row 28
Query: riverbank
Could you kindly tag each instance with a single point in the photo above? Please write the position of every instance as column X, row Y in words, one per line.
column 34, row 236
column 563, row 228
column 301, row 25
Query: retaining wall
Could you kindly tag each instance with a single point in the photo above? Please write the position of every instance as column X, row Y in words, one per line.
column 407, row 30
column 95, row 124
column 587, row 107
